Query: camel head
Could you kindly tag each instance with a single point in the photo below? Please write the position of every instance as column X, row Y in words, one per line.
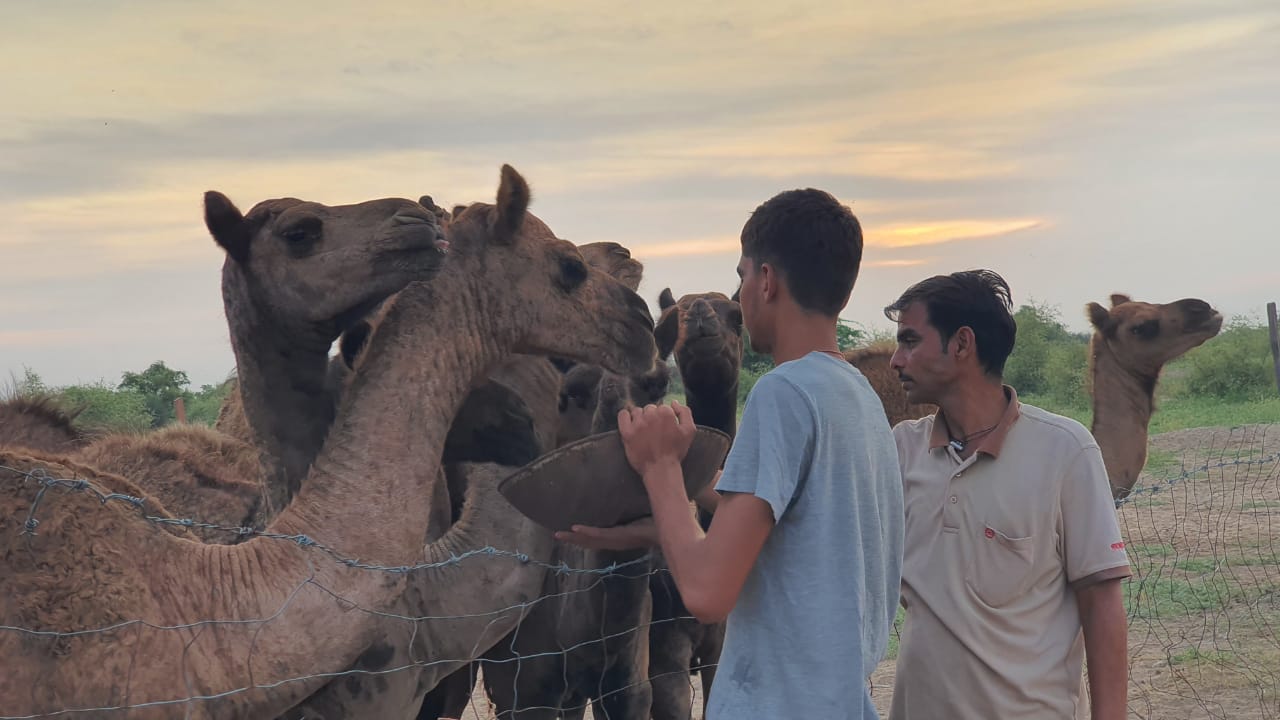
column 615, row 260
column 590, row 398
column 324, row 266
column 541, row 288
column 704, row 331
column 1144, row 336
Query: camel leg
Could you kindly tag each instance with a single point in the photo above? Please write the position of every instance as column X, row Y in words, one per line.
column 534, row 691
column 670, row 656
column 450, row 697
column 707, row 658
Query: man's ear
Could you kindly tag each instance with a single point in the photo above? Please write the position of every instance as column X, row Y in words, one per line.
column 768, row 281
column 965, row 342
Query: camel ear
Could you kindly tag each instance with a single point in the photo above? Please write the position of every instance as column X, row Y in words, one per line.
column 665, row 299
column 1098, row 316
column 666, row 332
column 513, row 202
column 227, row 225
column 353, row 341
column 1120, row 299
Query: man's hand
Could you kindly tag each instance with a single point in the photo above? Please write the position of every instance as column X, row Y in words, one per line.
column 636, row 535
column 656, row 436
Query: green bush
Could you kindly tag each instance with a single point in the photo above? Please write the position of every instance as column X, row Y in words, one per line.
column 1235, row 365
column 202, row 407
column 107, row 409
column 1047, row 359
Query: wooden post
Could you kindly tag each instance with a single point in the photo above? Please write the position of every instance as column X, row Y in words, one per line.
column 180, row 410
column 1275, row 340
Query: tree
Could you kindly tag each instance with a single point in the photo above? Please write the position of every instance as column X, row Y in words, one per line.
column 159, row 385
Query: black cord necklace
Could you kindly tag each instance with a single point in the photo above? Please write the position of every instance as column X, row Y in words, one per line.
column 959, row 444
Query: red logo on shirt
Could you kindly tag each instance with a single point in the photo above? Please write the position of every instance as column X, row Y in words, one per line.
column 990, row 533
column 1117, row 546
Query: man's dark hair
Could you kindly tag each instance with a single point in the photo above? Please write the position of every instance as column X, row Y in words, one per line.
column 813, row 241
column 979, row 299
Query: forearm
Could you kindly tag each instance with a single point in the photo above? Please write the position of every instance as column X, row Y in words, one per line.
column 678, row 532
column 1106, row 650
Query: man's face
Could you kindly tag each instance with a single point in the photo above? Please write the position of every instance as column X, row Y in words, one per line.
column 754, row 313
column 922, row 362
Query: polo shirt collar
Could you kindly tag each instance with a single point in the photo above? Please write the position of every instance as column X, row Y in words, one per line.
column 992, row 441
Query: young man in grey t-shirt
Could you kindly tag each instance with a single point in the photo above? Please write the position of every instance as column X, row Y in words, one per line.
column 804, row 553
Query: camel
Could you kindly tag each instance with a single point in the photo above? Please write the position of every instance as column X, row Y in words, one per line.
column 290, row 293
column 1131, row 343
column 704, row 333
column 873, row 362
column 38, row 422
column 510, row 286
column 602, row 619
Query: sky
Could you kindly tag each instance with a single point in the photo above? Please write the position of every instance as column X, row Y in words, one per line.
column 1078, row 148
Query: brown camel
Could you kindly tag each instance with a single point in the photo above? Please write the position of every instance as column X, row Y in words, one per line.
column 1131, row 344
column 40, row 423
column 704, row 333
column 873, row 362
column 511, row 285
column 601, row 619
column 290, row 293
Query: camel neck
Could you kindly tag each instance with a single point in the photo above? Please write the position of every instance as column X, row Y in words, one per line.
column 714, row 407
column 281, row 374
column 383, row 451
column 1123, row 402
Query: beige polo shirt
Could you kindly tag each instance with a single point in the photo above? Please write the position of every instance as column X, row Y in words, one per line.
column 996, row 544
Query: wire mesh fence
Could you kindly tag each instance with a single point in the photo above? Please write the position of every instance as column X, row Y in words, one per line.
column 1203, row 603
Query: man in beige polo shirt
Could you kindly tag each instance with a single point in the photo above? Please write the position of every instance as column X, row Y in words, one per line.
column 1013, row 555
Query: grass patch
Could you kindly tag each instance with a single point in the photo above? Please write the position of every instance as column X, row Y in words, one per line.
column 1162, row 462
column 1151, row 550
column 1260, row 504
column 1179, row 412
column 892, row 652
column 1196, row 656
column 1158, row 593
column 1154, row 596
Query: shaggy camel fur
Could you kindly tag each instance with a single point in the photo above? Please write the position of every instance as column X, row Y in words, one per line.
column 192, row 470
column 511, row 286
column 38, row 422
column 873, row 362
column 1131, row 344
column 704, row 332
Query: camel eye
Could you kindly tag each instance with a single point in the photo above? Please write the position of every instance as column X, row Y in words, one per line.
column 573, row 272
column 1146, row 330
column 302, row 233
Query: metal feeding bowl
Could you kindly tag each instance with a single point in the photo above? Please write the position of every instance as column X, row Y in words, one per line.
column 590, row 482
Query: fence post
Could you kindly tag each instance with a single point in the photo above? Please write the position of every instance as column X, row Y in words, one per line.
column 1275, row 340
column 180, row 410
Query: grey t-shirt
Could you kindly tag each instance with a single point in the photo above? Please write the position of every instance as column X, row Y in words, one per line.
column 815, row 614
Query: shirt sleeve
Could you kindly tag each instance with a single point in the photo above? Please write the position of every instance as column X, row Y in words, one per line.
column 774, row 444
column 1091, row 538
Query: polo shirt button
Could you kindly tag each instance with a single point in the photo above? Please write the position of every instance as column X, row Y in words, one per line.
column 953, row 499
